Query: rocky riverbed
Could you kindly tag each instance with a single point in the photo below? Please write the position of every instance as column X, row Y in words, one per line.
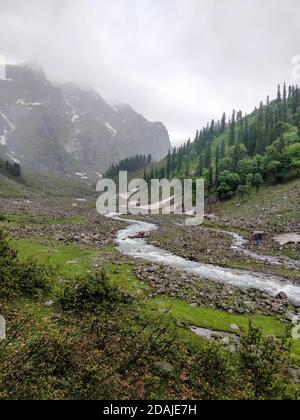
column 49, row 222
column 203, row 292
column 213, row 245
column 65, row 223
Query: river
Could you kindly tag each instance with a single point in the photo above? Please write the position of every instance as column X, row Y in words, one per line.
column 134, row 247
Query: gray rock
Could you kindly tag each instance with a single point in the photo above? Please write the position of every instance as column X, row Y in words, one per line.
column 225, row 341
column 289, row 316
column 282, row 296
column 234, row 327
column 165, row 367
column 49, row 303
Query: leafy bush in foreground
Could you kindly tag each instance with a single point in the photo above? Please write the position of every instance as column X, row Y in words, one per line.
column 265, row 365
column 90, row 293
column 129, row 354
column 18, row 277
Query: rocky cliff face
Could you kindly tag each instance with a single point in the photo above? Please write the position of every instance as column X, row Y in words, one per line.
column 69, row 129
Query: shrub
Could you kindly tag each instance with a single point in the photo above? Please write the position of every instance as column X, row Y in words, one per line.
column 264, row 365
column 38, row 368
column 19, row 277
column 213, row 372
column 34, row 277
column 89, row 293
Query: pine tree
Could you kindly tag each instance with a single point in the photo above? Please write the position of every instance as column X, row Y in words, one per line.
column 218, row 149
column 200, row 165
column 223, row 150
column 210, row 178
column 232, row 130
column 207, row 156
column 168, row 168
column 284, row 105
column 279, row 94
column 223, row 123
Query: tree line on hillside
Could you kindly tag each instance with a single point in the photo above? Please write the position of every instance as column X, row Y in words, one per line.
column 236, row 154
column 130, row 164
column 12, row 168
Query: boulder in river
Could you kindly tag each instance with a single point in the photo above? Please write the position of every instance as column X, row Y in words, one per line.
column 282, row 296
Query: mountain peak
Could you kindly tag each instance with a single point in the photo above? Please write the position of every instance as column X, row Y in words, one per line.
column 69, row 127
column 25, row 72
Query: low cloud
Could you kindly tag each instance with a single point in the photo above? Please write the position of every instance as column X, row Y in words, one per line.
column 182, row 62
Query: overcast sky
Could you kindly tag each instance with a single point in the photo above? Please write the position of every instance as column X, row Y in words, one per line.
column 181, row 62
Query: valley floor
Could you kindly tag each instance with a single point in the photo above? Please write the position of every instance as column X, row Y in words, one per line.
column 70, row 235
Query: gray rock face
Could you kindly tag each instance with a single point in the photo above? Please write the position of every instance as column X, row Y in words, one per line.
column 68, row 128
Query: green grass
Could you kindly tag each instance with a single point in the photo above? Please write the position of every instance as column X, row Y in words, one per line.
column 42, row 185
column 278, row 203
column 70, row 260
column 220, row 321
column 34, row 310
column 216, row 319
column 17, row 219
column 123, row 276
column 11, row 189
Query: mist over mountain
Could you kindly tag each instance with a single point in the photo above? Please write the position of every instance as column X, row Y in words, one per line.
column 69, row 128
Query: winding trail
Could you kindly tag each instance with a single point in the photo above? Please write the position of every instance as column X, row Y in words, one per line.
column 130, row 245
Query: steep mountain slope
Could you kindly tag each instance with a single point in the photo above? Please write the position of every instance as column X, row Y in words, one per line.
column 69, row 129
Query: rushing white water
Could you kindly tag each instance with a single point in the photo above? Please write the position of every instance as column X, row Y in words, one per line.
column 138, row 248
column 239, row 245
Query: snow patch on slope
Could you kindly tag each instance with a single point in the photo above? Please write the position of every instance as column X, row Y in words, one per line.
column 3, row 138
column 12, row 157
column 82, row 175
column 112, row 130
column 22, row 102
column 74, row 118
column 11, row 126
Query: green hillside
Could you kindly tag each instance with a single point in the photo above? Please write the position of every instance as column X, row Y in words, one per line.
column 242, row 153
column 30, row 185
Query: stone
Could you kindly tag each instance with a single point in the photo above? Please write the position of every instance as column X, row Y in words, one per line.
column 165, row 367
column 282, row 296
column 289, row 316
column 216, row 336
column 234, row 327
column 225, row 341
column 49, row 303
column 276, row 308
